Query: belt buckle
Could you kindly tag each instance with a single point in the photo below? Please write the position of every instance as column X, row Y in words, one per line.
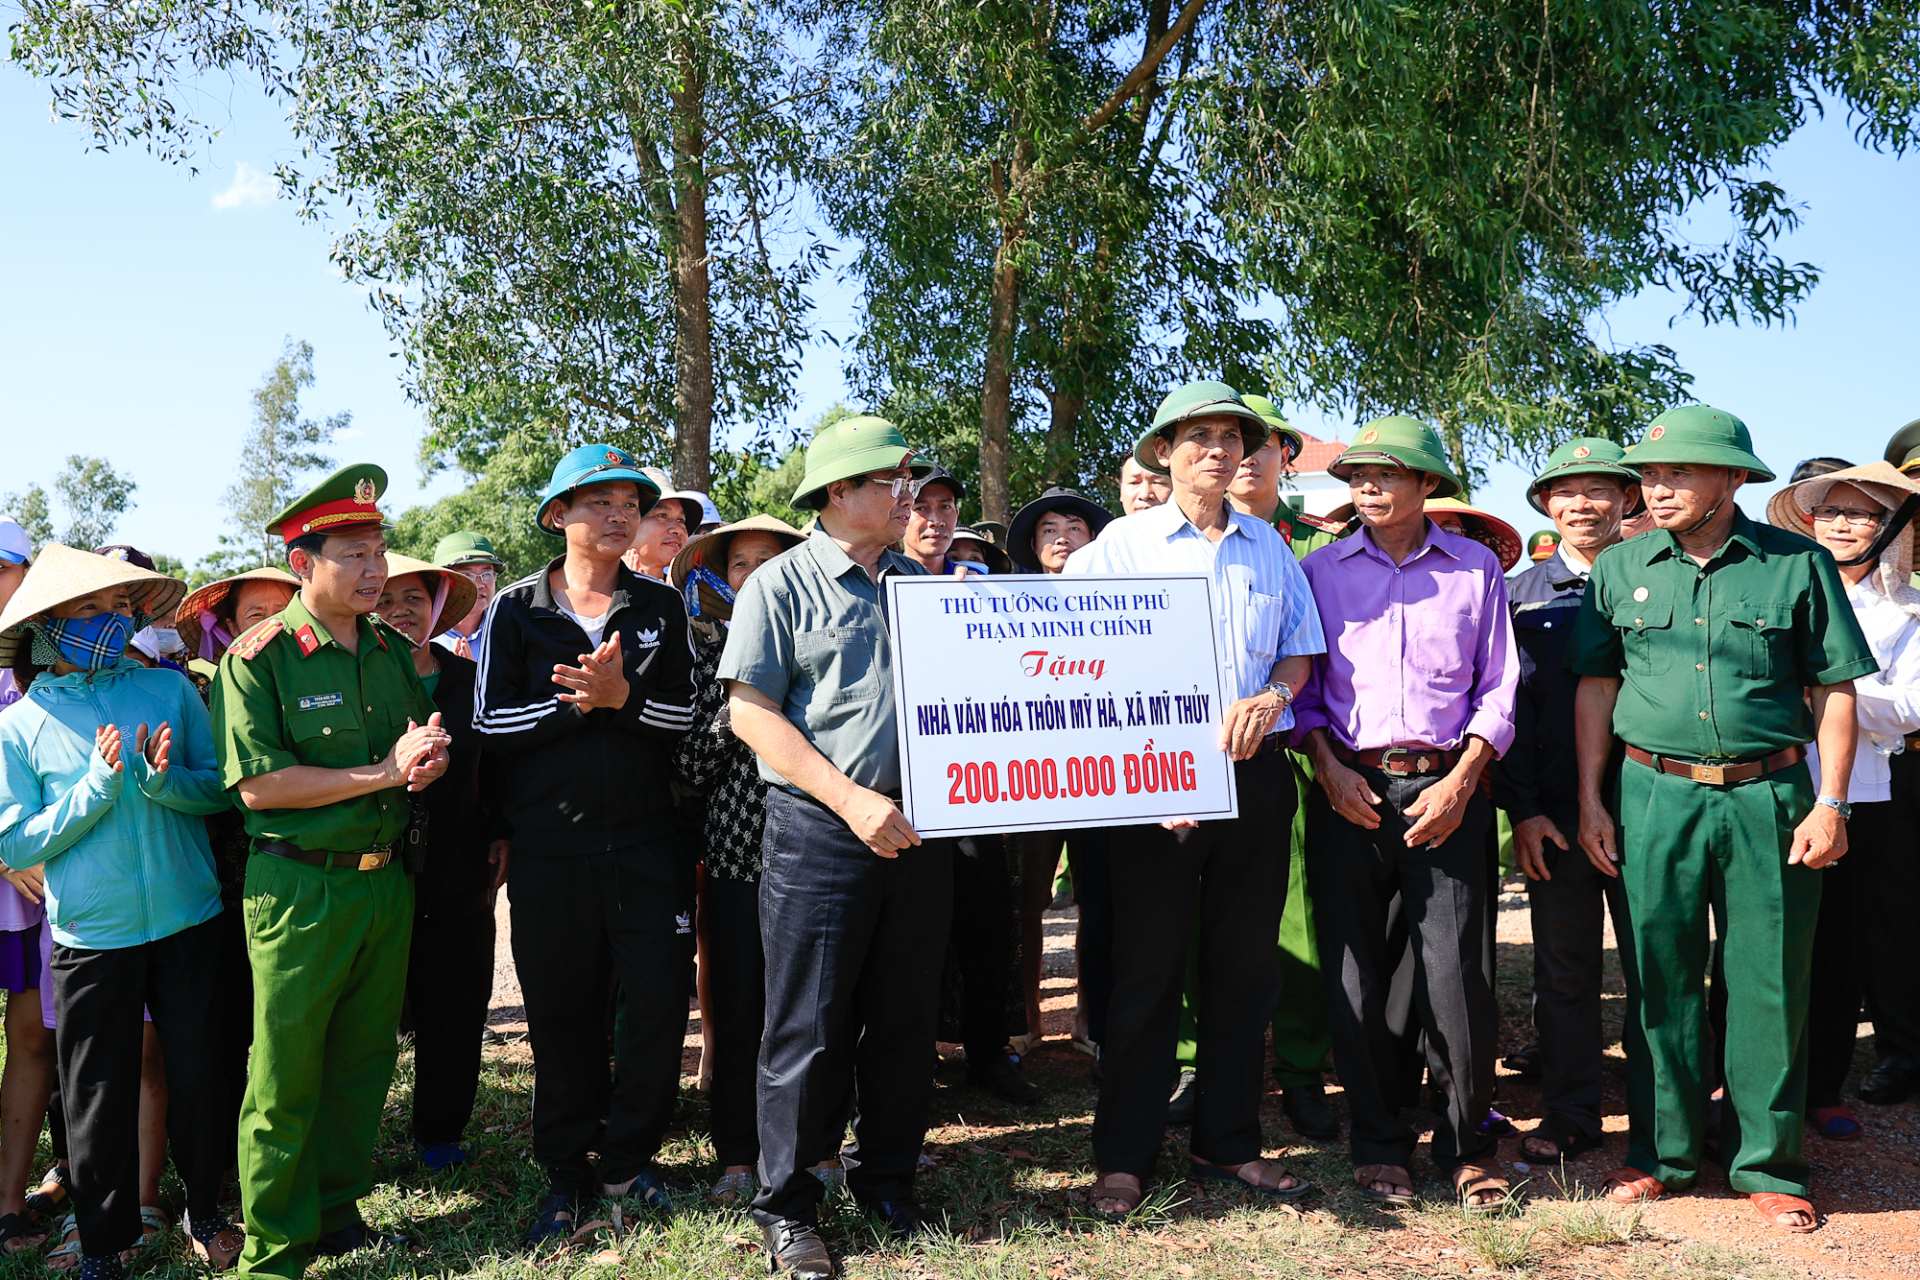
column 1386, row 762
column 375, row 860
column 1714, row 775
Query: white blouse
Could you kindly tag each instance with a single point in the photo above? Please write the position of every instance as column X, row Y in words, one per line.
column 1888, row 701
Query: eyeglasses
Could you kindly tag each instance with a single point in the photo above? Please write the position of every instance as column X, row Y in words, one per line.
column 898, row 486
column 1852, row 515
column 482, row 576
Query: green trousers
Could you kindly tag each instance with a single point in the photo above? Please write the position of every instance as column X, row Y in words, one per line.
column 1301, row 1039
column 1690, row 851
column 328, row 948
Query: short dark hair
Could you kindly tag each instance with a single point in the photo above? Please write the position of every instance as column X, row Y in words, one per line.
column 1818, row 467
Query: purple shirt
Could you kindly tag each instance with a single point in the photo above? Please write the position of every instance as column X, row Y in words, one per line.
column 1418, row 654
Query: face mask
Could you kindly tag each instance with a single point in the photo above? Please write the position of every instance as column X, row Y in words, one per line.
column 92, row 644
column 167, row 638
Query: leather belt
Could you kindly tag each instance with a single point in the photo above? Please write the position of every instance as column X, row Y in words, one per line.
column 1719, row 773
column 366, row 860
column 1269, row 745
column 1913, row 742
column 1401, row 762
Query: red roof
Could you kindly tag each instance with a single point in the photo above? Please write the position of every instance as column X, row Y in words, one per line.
column 1316, row 454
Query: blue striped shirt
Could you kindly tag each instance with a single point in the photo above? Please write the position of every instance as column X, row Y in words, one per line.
column 1263, row 608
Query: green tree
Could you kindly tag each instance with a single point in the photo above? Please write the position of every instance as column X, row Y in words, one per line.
column 277, row 460
column 30, row 510
column 500, row 503
column 581, row 213
column 1417, row 205
column 93, row 495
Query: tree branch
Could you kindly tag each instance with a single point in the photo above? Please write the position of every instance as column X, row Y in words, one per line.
column 1138, row 76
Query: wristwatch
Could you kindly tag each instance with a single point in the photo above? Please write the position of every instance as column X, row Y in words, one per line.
column 1280, row 688
column 1840, row 807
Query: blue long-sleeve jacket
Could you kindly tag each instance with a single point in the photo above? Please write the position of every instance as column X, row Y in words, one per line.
column 126, row 853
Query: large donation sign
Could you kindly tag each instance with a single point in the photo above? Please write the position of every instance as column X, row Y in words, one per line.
column 1033, row 703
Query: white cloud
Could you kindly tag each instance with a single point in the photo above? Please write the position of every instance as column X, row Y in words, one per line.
column 251, row 188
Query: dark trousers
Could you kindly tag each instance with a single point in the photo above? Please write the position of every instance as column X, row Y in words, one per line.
column 737, row 992
column 449, row 982
column 1569, row 958
column 982, row 942
column 1864, row 943
column 1090, row 860
column 1235, row 871
column 854, row 945
column 578, row 922
column 1356, row 875
column 97, row 997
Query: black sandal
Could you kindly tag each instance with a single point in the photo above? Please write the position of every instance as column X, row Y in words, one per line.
column 16, row 1226
column 41, row 1204
column 1569, row 1139
column 1524, row 1062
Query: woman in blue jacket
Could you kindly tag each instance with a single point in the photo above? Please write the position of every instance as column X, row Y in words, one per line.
column 106, row 769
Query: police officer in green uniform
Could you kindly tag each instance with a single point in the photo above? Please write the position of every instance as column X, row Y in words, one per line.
column 1716, row 649
column 322, row 727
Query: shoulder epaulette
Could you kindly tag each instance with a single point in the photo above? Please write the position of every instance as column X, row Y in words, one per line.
column 1321, row 523
column 308, row 640
column 255, row 638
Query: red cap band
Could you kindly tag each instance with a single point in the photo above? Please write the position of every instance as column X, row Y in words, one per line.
column 330, row 517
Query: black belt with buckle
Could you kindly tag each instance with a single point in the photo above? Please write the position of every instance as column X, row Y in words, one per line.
column 366, row 860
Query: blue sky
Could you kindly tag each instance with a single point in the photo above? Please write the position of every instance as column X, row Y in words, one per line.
column 142, row 305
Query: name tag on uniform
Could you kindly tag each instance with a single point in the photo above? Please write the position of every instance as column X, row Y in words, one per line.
column 314, row 701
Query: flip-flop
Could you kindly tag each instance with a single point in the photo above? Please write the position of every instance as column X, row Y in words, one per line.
column 1771, row 1204
column 43, row 1203
column 1201, row 1171
column 1368, row 1174
column 1471, row 1179
column 1107, row 1187
column 1836, row 1124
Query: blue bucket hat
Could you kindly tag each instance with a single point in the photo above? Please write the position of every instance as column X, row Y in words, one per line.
column 593, row 464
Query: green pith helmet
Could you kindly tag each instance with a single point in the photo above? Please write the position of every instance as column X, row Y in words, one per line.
column 1270, row 411
column 465, row 547
column 1404, row 442
column 1702, row 435
column 343, row 501
column 1903, row 451
column 852, row 447
column 1542, row 544
column 1200, row 400
column 1585, row 456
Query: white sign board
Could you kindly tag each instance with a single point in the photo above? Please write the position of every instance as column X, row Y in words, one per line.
column 1032, row 703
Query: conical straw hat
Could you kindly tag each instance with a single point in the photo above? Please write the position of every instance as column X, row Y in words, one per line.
column 209, row 598
column 60, row 574
column 453, row 593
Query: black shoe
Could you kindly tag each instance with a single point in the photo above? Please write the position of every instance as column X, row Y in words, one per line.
column 1306, row 1107
column 358, row 1236
column 905, row 1219
column 797, row 1247
column 1186, row 1096
column 558, row 1219
column 1894, row 1080
column 1003, row 1078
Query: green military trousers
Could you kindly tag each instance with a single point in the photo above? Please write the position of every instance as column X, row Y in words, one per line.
column 328, row 947
column 1690, row 849
column 1301, row 1038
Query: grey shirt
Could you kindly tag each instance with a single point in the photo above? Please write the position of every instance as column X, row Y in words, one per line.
column 810, row 632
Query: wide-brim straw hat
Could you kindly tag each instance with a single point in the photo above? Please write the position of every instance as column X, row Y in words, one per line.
column 453, row 592
column 209, row 598
column 1889, row 488
column 60, row 574
column 711, row 549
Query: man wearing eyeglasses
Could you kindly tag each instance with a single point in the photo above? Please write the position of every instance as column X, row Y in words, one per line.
column 854, row 909
column 472, row 556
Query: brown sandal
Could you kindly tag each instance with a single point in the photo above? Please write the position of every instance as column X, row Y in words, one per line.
column 1109, row 1187
column 1368, row 1174
column 1267, row 1177
column 1771, row 1204
column 1640, row 1188
column 1470, row 1180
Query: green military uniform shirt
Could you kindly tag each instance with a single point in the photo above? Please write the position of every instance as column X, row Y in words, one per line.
column 810, row 632
column 1715, row 659
column 288, row 694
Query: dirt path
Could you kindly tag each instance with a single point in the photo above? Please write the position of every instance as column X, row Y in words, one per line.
column 1869, row 1190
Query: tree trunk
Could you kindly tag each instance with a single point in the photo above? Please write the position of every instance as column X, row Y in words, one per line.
column 996, row 392
column 692, row 289
column 1061, row 426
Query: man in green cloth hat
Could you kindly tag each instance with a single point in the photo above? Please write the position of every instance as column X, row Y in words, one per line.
column 1586, row 492
column 1715, row 649
column 322, row 727
column 470, row 555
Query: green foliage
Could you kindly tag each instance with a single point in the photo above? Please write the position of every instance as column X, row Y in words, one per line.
column 93, row 495
column 277, row 461
column 30, row 510
column 500, row 503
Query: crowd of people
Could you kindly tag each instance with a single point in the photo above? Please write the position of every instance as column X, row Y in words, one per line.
column 254, row 835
